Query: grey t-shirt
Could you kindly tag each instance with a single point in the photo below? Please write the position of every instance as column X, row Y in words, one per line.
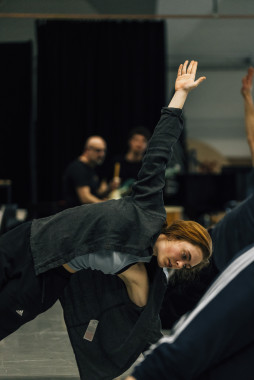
column 106, row 261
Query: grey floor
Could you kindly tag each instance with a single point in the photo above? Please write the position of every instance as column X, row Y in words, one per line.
column 40, row 350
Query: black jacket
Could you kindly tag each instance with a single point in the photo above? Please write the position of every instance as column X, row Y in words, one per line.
column 130, row 225
column 231, row 235
column 124, row 330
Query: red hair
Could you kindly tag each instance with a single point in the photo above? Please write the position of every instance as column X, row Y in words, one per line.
column 194, row 233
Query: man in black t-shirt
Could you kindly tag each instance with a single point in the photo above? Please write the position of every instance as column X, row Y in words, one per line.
column 81, row 183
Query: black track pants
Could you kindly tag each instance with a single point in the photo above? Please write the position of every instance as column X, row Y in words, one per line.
column 23, row 295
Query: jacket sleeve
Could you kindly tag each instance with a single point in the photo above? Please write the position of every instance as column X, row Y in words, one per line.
column 147, row 190
column 232, row 234
column 212, row 338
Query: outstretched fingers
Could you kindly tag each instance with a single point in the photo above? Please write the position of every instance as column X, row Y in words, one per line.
column 194, row 68
column 247, row 79
column 187, row 69
column 251, row 71
column 249, row 76
column 199, row 80
column 190, row 67
column 180, row 70
column 184, row 69
column 193, row 72
column 186, row 76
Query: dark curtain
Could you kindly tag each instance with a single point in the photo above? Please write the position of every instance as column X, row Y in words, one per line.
column 94, row 77
column 15, row 117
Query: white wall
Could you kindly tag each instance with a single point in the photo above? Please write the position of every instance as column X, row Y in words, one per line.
column 23, row 29
column 214, row 112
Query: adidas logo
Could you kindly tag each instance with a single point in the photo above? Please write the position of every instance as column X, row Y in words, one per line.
column 20, row 312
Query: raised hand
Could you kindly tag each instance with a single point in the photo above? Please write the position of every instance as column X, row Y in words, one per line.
column 185, row 82
column 186, row 77
column 247, row 82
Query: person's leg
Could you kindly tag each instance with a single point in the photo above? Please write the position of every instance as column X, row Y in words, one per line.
column 23, row 295
column 20, row 289
column 20, row 301
column 14, row 246
column 27, row 296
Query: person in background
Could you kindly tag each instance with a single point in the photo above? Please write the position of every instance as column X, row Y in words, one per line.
column 184, row 296
column 81, row 183
column 124, row 169
column 215, row 339
column 246, row 90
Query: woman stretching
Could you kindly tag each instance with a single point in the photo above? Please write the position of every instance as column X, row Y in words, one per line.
column 116, row 237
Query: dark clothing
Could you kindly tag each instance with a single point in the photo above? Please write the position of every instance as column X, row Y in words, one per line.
column 128, row 225
column 250, row 182
column 231, row 235
column 23, row 295
column 78, row 174
column 216, row 340
column 182, row 295
column 128, row 173
column 14, row 251
column 128, row 169
column 124, row 330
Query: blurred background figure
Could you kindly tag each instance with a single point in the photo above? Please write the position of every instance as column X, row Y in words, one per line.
column 81, row 183
column 246, row 90
column 124, row 168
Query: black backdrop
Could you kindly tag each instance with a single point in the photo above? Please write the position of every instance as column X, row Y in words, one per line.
column 15, row 118
column 94, row 77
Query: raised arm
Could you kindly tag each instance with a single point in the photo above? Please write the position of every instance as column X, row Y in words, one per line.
column 147, row 190
column 246, row 91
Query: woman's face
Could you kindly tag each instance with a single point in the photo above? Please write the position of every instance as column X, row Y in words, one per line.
column 176, row 254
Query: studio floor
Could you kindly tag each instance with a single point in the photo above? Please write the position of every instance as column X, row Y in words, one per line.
column 40, row 350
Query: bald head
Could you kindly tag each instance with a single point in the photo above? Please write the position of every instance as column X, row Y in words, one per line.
column 95, row 150
column 95, row 141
